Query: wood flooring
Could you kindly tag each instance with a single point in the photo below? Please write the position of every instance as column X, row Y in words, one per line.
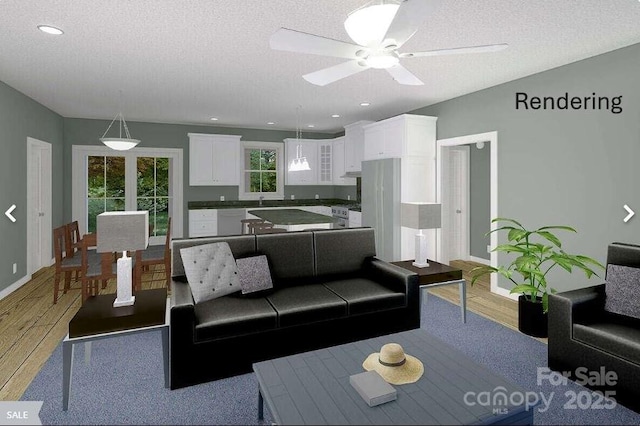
column 31, row 326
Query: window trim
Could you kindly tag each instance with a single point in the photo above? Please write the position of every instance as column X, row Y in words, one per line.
column 79, row 158
column 280, row 170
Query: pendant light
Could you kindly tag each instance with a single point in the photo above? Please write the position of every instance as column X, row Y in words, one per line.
column 299, row 163
column 120, row 143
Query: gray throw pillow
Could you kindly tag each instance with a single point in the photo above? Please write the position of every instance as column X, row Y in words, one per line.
column 211, row 271
column 254, row 274
column 623, row 290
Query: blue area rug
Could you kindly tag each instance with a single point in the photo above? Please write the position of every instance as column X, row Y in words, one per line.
column 124, row 382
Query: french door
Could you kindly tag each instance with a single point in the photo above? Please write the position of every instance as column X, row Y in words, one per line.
column 107, row 180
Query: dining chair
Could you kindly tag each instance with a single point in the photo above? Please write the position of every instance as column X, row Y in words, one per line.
column 248, row 223
column 95, row 269
column 254, row 227
column 63, row 264
column 154, row 255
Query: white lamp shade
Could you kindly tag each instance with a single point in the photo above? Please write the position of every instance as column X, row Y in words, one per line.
column 122, row 231
column 368, row 25
column 120, row 144
column 421, row 215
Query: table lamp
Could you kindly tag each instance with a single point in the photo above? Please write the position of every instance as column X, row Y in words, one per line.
column 123, row 231
column 421, row 216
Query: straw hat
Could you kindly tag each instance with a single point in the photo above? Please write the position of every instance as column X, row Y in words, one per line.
column 394, row 365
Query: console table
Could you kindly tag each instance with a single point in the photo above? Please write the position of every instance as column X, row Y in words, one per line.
column 98, row 319
column 436, row 275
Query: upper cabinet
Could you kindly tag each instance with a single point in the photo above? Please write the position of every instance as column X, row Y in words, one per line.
column 402, row 136
column 297, row 149
column 214, row 160
column 325, row 162
column 354, row 145
column 339, row 163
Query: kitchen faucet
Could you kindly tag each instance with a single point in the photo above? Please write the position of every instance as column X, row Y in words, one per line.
column 260, row 200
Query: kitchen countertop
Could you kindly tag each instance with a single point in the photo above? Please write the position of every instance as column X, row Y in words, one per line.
column 239, row 204
column 291, row 217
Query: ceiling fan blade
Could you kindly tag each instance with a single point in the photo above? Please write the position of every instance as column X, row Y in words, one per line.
column 404, row 76
column 457, row 50
column 296, row 41
column 410, row 15
column 335, row 73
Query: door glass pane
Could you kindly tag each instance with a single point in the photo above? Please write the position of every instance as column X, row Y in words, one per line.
column 153, row 191
column 105, row 187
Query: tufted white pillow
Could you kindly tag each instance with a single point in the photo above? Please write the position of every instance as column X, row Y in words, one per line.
column 211, row 271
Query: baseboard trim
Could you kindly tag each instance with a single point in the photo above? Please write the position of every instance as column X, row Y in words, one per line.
column 504, row 292
column 480, row 260
column 13, row 287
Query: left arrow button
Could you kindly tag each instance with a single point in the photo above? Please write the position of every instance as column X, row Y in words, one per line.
column 8, row 213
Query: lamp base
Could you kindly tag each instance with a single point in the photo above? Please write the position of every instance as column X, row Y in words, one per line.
column 118, row 303
column 421, row 251
column 124, row 295
column 421, row 265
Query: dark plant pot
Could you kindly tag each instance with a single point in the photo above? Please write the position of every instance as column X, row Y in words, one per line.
column 531, row 318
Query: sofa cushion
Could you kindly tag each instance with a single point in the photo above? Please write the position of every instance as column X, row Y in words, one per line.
column 343, row 251
column 622, row 289
column 211, row 271
column 290, row 257
column 229, row 316
column 615, row 337
column 364, row 295
column 254, row 274
column 307, row 303
column 241, row 245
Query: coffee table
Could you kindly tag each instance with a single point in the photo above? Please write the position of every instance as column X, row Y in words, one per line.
column 436, row 275
column 98, row 319
column 313, row 387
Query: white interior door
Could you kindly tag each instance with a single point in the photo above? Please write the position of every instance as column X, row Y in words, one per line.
column 459, row 203
column 39, row 227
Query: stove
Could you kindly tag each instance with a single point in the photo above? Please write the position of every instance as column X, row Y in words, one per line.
column 341, row 213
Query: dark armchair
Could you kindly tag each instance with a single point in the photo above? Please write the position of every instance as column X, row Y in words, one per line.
column 585, row 336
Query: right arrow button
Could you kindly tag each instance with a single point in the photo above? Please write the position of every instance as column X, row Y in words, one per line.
column 630, row 215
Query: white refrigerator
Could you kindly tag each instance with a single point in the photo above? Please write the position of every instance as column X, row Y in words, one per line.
column 381, row 205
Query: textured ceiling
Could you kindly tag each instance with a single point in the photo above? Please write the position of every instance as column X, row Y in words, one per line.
column 186, row 61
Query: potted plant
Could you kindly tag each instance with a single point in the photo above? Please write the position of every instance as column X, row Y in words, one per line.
column 538, row 252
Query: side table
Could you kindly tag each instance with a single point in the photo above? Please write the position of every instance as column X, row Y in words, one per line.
column 98, row 319
column 436, row 275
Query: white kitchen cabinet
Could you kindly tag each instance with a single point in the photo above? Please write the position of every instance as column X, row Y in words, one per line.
column 399, row 137
column 355, row 219
column 339, row 168
column 203, row 223
column 214, row 160
column 354, row 145
column 325, row 163
column 307, row 148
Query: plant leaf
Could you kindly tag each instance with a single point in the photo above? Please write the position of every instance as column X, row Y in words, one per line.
column 550, row 237
column 506, row 219
column 566, row 228
column 545, row 302
column 499, row 229
column 525, row 288
column 516, row 234
column 480, row 271
column 585, row 259
column 508, row 248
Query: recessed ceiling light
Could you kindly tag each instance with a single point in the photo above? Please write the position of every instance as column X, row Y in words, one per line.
column 311, row 126
column 50, row 30
column 365, row 104
column 214, row 118
column 335, row 116
column 271, row 123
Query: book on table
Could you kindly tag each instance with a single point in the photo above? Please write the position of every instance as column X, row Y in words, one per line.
column 373, row 388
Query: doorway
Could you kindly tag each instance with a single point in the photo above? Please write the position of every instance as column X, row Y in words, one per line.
column 39, row 226
column 455, row 205
column 443, row 182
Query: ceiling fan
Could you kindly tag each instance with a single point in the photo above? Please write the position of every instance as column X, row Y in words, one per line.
column 379, row 29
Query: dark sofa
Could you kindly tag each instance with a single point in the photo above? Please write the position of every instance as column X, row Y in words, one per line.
column 328, row 289
column 582, row 334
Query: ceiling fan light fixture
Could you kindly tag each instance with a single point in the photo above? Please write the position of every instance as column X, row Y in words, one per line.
column 382, row 60
column 369, row 24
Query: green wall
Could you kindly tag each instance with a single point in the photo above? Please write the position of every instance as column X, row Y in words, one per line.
column 22, row 117
column 575, row 168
